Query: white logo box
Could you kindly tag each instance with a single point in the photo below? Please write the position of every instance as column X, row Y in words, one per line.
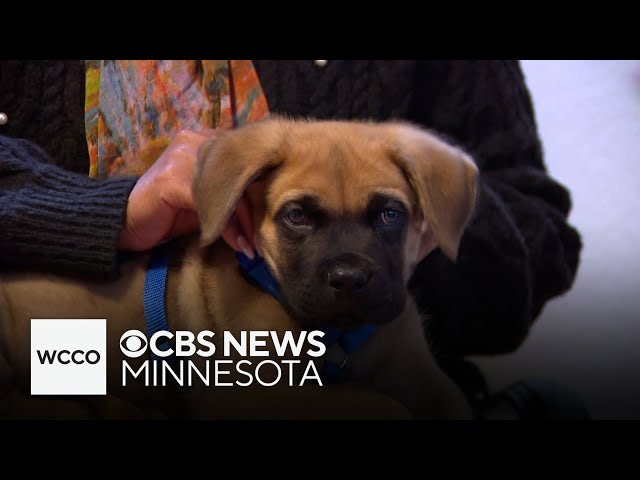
column 74, row 353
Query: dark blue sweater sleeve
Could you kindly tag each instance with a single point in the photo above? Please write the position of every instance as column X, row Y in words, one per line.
column 54, row 220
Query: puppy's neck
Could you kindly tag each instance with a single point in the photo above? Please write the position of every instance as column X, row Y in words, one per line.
column 207, row 291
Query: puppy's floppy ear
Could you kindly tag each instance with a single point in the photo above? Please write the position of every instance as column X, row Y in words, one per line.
column 226, row 165
column 445, row 181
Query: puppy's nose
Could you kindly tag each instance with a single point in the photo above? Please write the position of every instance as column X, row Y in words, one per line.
column 346, row 279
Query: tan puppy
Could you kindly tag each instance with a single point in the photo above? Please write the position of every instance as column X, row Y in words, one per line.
column 341, row 212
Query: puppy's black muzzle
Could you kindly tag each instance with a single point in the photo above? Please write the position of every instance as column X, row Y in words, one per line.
column 348, row 275
column 344, row 290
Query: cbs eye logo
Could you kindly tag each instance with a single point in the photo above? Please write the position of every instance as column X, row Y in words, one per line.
column 133, row 343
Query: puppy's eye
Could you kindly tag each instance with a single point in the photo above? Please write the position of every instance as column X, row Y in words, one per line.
column 296, row 217
column 389, row 216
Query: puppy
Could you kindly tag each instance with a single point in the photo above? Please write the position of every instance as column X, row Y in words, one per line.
column 341, row 212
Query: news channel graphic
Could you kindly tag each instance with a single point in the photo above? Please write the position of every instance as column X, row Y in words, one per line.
column 69, row 357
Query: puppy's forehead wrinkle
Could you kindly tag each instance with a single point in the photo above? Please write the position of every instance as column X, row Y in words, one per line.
column 297, row 196
column 393, row 193
column 342, row 168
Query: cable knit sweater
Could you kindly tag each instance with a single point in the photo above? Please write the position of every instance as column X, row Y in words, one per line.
column 517, row 253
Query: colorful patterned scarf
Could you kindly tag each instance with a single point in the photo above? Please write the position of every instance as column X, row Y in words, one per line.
column 133, row 108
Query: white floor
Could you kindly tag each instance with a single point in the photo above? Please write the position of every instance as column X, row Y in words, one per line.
column 588, row 115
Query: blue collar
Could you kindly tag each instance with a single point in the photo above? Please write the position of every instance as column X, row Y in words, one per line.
column 156, row 316
column 257, row 271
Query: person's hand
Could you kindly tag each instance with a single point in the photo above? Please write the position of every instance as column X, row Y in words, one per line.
column 161, row 204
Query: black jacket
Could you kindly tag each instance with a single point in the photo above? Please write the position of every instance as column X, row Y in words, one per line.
column 518, row 252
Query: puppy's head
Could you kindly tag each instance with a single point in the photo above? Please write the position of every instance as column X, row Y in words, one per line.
column 342, row 211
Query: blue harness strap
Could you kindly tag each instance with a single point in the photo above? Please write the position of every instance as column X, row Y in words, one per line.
column 155, row 283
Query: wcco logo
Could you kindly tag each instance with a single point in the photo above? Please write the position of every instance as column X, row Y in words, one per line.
column 68, row 357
